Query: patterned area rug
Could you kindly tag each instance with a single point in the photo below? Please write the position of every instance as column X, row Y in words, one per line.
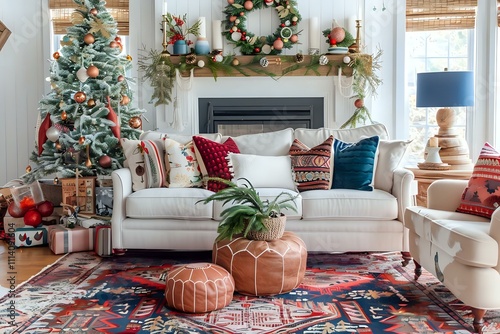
column 341, row 293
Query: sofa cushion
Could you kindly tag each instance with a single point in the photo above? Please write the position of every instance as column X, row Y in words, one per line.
column 313, row 137
column 262, row 171
column 354, row 164
column 348, row 204
column 482, row 195
column 312, row 167
column 172, row 203
column 391, row 155
column 183, row 139
column 463, row 236
column 154, row 161
column 269, row 143
column 267, row 193
column 212, row 157
column 184, row 168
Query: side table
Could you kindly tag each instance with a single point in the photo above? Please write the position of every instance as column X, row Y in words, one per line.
column 425, row 177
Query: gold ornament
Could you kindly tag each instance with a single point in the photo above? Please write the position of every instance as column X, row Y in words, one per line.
column 28, row 169
column 129, row 57
column 92, row 71
column 125, row 100
column 235, row 62
column 81, row 141
column 64, row 116
column 80, row 97
column 56, row 55
column 91, row 103
column 58, row 146
column 135, row 122
column 89, row 39
column 88, row 163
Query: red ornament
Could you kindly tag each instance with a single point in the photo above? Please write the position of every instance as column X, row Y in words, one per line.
column 359, row 103
column 46, row 208
column 113, row 118
column 33, row 218
column 15, row 211
column 118, row 39
column 105, row 161
column 230, row 2
column 256, row 50
column 81, row 141
column 113, row 44
column 120, row 78
column 89, row 39
column 42, row 132
column 80, row 97
column 56, row 55
column 248, row 5
column 92, row 71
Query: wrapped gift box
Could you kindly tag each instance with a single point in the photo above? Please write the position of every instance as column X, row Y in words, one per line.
column 32, row 236
column 104, row 201
column 67, row 240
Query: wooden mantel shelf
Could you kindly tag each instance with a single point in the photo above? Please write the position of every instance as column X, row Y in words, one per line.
column 279, row 65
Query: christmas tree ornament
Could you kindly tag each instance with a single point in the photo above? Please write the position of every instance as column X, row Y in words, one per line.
column 105, row 161
column 129, row 57
column 124, row 100
column 28, row 169
column 81, row 141
column 118, row 39
column 89, row 39
column 82, row 75
column 92, row 71
column 93, row 11
column 53, row 134
column 58, row 146
column 32, row 218
column 113, row 44
column 359, row 103
column 66, row 41
column 64, row 115
column 135, row 122
column 56, row 180
column 42, row 132
column 120, row 78
column 80, row 97
column 56, row 55
column 113, row 117
column 88, row 162
column 91, row 103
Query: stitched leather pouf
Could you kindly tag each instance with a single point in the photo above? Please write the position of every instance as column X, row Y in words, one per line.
column 199, row 287
column 261, row 268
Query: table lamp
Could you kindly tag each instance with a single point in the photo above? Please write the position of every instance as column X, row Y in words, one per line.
column 447, row 89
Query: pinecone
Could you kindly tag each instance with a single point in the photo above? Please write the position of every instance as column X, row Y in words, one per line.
column 299, row 57
column 190, row 58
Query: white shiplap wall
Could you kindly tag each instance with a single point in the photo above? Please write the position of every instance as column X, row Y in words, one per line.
column 24, row 66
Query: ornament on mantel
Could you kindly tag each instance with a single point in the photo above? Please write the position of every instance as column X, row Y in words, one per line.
column 113, row 117
column 323, row 60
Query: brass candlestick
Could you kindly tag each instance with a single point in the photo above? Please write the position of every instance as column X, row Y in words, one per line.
column 165, row 39
column 358, row 36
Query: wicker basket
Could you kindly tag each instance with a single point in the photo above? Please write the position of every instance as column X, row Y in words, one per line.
column 275, row 229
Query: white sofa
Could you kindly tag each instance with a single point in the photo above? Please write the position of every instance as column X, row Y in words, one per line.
column 460, row 249
column 336, row 220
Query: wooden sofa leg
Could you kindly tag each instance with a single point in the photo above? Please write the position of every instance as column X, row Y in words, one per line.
column 406, row 258
column 478, row 320
column 418, row 270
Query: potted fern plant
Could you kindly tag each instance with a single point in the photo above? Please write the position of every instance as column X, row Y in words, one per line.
column 248, row 213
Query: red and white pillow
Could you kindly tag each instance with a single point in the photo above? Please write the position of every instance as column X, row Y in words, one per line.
column 184, row 168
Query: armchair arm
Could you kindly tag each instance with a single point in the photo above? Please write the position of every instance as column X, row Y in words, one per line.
column 495, row 232
column 122, row 187
column 445, row 194
column 402, row 189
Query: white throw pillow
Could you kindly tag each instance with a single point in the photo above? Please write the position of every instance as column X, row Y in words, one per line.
column 184, row 167
column 262, row 171
column 391, row 155
column 272, row 143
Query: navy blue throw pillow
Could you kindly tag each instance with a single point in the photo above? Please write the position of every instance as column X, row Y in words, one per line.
column 353, row 164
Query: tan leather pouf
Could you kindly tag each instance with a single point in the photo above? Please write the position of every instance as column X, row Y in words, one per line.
column 261, row 268
column 199, row 287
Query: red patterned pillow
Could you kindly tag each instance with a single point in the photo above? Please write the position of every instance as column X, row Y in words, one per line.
column 482, row 195
column 212, row 159
column 312, row 167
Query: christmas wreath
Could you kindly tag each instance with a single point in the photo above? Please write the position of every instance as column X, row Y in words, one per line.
column 283, row 38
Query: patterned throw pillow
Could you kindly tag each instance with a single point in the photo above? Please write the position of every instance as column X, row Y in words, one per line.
column 354, row 163
column 154, row 158
column 482, row 195
column 312, row 167
column 134, row 160
column 212, row 157
column 184, row 169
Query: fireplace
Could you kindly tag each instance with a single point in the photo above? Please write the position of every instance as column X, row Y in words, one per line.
column 238, row 116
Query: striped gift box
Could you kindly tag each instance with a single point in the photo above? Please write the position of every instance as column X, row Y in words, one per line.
column 68, row 240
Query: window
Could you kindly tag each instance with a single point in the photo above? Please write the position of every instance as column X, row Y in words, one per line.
column 440, row 34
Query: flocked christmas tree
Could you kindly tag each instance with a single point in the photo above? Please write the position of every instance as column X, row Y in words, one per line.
column 89, row 108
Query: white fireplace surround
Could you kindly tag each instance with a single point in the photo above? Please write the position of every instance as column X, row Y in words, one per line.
column 337, row 109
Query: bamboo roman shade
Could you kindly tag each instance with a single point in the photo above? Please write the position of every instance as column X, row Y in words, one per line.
column 61, row 11
column 440, row 14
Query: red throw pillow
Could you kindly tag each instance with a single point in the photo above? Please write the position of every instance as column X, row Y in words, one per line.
column 482, row 195
column 213, row 159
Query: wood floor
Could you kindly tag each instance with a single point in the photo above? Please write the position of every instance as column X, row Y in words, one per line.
column 22, row 263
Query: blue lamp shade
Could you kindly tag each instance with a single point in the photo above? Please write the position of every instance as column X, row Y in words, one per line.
column 445, row 89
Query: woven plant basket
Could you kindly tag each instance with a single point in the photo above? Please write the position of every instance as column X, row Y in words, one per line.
column 275, row 229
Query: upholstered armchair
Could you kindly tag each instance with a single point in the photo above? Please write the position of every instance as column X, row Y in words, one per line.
column 460, row 249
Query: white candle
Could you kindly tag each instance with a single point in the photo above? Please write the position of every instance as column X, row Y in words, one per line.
column 217, row 35
column 165, row 7
column 203, row 27
column 351, row 25
column 314, row 34
column 433, row 141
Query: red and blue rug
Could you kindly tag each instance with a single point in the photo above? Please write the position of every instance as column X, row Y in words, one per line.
column 341, row 293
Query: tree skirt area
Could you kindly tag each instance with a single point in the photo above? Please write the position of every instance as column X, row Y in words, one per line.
column 341, row 293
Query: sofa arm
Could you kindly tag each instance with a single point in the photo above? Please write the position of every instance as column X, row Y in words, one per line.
column 445, row 194
column 402, row 189
column 122, row 187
